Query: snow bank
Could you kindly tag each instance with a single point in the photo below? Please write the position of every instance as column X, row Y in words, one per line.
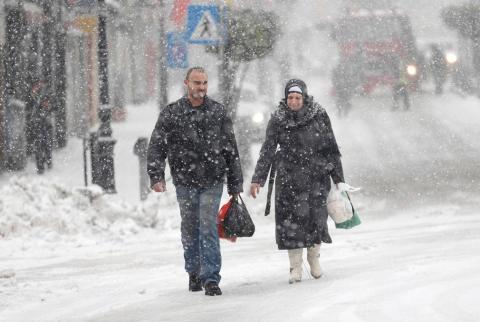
column 40, row 208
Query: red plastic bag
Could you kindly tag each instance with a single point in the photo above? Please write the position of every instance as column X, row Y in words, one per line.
column 220, row 218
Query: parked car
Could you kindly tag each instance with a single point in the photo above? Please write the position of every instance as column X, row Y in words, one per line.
column 250, row 120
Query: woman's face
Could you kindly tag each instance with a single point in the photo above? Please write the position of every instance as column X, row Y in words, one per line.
column 295, row 101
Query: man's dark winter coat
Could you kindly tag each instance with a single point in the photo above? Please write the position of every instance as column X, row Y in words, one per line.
column 199, row 143
column 308, row 156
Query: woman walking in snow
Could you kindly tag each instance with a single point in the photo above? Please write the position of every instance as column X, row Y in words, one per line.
column 306, row 158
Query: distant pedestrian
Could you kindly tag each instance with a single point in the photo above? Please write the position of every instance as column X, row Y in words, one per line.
column 41, row 125
column 196, row 135
column 343, row 80
column 400, row 84
column 439, row 68
column 30, row 106
column 306, row 159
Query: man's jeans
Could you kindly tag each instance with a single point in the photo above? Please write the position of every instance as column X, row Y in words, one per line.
column 199, row 209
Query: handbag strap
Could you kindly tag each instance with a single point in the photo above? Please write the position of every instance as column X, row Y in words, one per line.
column 349, row 200
column 271, row 181
column 236, row 197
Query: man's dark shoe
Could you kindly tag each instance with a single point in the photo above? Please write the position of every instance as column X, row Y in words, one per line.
column 194, row 283
column 212, row 289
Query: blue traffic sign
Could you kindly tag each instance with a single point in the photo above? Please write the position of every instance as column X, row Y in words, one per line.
column 204, row 25
column 177, row 50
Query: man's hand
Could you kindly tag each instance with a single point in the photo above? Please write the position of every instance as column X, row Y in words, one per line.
column 160, row 186
column 254, row 189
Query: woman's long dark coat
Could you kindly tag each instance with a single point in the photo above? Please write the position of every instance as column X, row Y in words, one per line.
column 307, row 157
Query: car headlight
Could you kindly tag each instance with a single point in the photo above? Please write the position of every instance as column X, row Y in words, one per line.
column 412, row 70
column 258, row 118
column 451, row 58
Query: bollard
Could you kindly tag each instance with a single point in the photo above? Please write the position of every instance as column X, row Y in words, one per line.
column 85, row 158
column 140, row 149
column 94, row 157
column 101, row 157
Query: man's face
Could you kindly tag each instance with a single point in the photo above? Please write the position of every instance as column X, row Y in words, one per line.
column 197, row 84
column 295, row 101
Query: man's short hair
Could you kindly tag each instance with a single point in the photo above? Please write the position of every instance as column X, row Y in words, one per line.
column 195, row 68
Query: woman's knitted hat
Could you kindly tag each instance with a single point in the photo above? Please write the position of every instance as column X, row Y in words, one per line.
column 296, row 86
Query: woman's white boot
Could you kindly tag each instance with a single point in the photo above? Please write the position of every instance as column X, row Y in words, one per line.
column 313, row 255
column 295, row 257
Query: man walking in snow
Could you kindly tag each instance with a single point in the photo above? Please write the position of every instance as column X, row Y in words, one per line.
column 439, row 68
column 196, row 135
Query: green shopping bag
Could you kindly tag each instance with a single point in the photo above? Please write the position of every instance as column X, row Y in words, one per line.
column 352, row 222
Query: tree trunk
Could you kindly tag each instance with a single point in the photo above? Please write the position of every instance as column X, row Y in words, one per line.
column 163, row 72
column 476, row 62
column 228, row 73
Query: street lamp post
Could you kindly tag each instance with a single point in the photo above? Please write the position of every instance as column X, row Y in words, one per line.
column 102, row 143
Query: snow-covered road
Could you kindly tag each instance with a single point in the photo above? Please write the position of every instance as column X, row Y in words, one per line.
column 420, row 266
column 394, row 270
column 427, row 155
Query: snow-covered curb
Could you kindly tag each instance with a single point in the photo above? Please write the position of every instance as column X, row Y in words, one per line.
column 36, row 208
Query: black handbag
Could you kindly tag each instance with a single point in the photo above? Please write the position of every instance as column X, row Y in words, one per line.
column 237, row 221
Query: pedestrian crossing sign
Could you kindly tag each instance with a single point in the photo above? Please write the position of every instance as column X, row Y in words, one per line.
column 204, row 25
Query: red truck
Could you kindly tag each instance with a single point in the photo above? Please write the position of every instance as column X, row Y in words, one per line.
column 376, row 42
